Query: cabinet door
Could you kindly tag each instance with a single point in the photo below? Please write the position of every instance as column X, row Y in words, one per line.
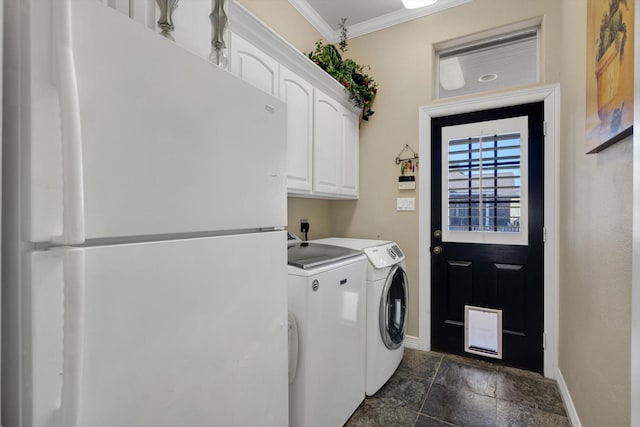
column 326, row 144
column 350, row 141
column 254, row 66
column 298, row 95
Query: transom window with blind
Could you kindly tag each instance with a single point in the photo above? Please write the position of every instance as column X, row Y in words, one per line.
column 500, row 58
column 484, row 182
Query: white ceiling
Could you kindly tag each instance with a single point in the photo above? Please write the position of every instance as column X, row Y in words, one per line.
column 363, row 16
column 356, row 11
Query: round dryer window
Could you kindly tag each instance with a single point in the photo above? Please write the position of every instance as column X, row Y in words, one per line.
column 393, row 309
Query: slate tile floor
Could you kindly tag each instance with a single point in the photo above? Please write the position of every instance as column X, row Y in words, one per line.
column 436, row 390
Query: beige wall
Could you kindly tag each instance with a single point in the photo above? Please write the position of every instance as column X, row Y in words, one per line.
column 317, row 212
column 595, row 250
column 595, row 190
column 401, row 60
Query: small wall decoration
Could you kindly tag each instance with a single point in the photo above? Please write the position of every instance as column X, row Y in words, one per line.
column 610, row 35
column 407, row 159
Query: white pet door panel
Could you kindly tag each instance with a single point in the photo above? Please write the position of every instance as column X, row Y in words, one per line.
column 483, row 331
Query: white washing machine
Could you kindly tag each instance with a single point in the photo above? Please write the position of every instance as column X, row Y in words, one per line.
column 327, row 303
column 387, row 307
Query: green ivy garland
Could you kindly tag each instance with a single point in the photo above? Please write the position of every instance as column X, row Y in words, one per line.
column 361, row 87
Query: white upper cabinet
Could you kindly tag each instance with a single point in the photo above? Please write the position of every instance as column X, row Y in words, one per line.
column 326, row 145
column 254, row 66
column 297, row 93
column 322, row 132
column 335, row 148
column 350, row 125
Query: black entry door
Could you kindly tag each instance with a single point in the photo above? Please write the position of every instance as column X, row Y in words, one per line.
column 487, row 233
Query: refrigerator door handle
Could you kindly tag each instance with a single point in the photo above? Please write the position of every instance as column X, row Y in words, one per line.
column 72, row 174
column 73, row 334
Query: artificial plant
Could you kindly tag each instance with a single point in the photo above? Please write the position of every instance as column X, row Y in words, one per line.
column 361, row 87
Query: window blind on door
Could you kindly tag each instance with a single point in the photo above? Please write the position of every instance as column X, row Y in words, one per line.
column 484, row 183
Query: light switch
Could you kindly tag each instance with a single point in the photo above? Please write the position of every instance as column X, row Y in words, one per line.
column 406, row 204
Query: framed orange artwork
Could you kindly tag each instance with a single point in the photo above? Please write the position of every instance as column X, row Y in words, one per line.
column 610, row 34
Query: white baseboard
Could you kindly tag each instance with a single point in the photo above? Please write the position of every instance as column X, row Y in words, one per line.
column 412, row 342
column 568, row 402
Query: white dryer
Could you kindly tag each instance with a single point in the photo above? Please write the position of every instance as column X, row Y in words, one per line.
column 327, row 301
column 387, row 307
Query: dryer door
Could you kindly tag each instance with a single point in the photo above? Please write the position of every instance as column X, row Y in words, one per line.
column 393, row 308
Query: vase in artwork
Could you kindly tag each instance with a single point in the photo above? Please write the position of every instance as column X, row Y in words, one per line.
column 607, row 73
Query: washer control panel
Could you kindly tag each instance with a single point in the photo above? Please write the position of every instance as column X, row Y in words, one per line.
column 385, row 255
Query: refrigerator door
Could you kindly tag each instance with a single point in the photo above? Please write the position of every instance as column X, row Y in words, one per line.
column 155, row 140
column 175, row 333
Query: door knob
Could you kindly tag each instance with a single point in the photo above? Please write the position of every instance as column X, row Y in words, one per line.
column 437, row 250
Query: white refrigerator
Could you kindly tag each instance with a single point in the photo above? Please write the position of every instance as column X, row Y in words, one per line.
column 144, row 198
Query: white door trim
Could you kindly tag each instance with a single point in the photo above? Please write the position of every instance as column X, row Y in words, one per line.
column 550, row 95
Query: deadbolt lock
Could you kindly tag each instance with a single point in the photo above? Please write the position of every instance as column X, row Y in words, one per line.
column 437, row 234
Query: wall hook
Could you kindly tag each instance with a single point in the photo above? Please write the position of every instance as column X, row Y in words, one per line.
column 406, row 151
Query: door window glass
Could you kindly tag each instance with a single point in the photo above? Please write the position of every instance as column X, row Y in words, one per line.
column 484, row 182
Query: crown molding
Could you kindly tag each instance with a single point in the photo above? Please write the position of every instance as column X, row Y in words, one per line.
column 253, row 30
column 371, row 25
column 316, row 20
column 398, row 17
